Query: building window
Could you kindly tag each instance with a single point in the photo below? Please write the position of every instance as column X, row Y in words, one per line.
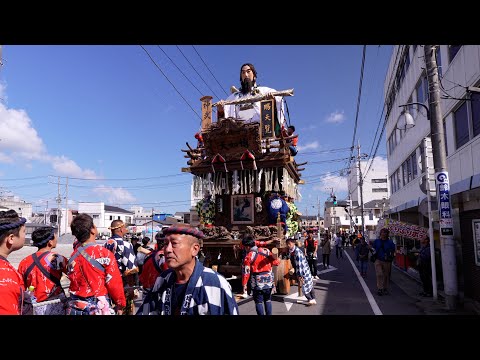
column 461, row 125
column 399, row 179
column 405, row 173
column 422, row 90
column 378, row 181
column 453, row 50
column 476, row 113
column 380, row 190
column 111, row 217
column 95, row 216
column 413, row 164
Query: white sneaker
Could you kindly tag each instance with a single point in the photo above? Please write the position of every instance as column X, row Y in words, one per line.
column 316, row 277
column 312, row 302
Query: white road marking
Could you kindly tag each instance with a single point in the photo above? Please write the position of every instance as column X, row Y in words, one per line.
column 371, row 299
column 331, row 268
column 294, row 299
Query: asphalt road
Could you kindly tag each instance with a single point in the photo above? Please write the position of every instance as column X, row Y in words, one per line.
column 341, row 291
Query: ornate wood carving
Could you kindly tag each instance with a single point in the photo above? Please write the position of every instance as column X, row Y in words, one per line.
column 230, row 138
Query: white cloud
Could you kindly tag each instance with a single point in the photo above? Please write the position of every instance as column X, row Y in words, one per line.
column 66, row 166
column 18, row 135
column 19, row 140
column 379, row 164
column 312, row 145
column 338, row 183
column 114, row 195
column 336, row 117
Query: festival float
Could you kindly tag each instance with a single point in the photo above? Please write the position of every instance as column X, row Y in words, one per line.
column 247, row 182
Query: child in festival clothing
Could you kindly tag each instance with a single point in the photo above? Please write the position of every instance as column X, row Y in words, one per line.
column 12, row 238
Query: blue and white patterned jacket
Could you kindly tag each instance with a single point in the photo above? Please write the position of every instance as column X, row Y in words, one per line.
column 123, row 251
column 208, row 293
column 302, row 269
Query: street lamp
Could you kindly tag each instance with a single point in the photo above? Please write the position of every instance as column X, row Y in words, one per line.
column 406, row 117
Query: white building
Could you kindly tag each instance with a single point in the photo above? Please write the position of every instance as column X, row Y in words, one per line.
column 375, row 191
column 375, row 185
column 406, row 82
column 22, row 208
column 103, row 215
column 140, row 212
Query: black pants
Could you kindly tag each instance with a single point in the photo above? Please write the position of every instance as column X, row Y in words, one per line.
column 312, row 264
column 326, row 259
column 338, row 250
column 426, row 277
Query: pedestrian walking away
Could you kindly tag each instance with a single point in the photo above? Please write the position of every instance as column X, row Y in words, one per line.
column 257, row 267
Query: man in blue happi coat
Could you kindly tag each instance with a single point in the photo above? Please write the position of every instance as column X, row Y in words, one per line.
column 187, row 287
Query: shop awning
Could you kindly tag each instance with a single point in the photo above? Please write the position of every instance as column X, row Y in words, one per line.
column 401, row 228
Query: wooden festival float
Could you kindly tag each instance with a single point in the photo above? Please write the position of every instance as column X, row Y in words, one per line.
column 240, row 164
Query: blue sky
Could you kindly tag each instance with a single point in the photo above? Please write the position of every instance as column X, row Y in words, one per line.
column 107, row 115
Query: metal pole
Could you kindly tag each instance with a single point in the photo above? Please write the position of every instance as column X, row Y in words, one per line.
column 59, row 200
column 432, row 246
column 360, row 185
column 318, row 217
column 447, row 242
column 66, row 206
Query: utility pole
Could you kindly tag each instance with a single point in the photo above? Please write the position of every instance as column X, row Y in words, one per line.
column 360, row 185
column 66, row 206
column 447, row 242
column 306, row 215
column 59, row 200
column 46, row 209
column 152, row 222
column 318, row 217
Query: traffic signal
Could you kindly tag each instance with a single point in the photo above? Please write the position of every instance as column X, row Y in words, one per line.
column 334, row 200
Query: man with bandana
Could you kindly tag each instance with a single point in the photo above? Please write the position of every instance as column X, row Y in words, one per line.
column 251, row 111
column 12, row 238
column 43, row 270
column 187, row 287
column 125, row 256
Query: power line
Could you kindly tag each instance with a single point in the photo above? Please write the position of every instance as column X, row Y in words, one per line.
column 358, row 103
column 370, row 156
column 166, row 77
column 209, row 70
column 124, row 179
column 193, row 67
column 181, row 72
